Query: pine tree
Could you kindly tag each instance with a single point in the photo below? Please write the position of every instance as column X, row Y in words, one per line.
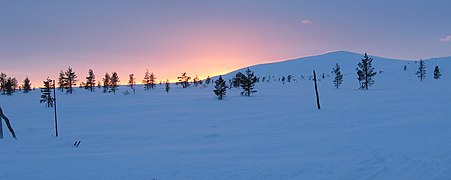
column 90, row 81
column 114, row 82
column 437, row 73
column 236, row 81
column 3, row 79
column 69, row 80
column 61, row 81
column 366, row 72
column 421, row 73
column 46, row 96
column 167, row 86
column 26, row 85
column 247, row 83
column 208, row 80
column 153, row 80
column 9, row 86
column 196, row 81
column 338, row 76
column 106, row 83
column 131, row 82
column 184, row 80
column 220, row 88
column 147, row 81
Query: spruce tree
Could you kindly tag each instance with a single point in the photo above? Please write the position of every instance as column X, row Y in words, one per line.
column 46, row 96
column 153, row 80
column 3, row 79
column 167, row 86
column 184, row 80
column 106, row 83
column 247, row 83
column 437, row 73
column 131, row 82
column 26, row 85
column 90, row 81
column 236, row 81
column 338, row 76
column 208, row 80
column 220, row 88
column 421, row 73
column 61, row 81
column 365, row 72
column 9, row 86
column 146, row 81
column 196, row 81
column 114, row 82
column 69, row 80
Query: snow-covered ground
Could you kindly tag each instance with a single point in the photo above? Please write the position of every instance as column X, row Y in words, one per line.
column 399, row 129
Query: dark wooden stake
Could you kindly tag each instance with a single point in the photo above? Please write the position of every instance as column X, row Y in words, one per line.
column 54, row 107
column 316, row 90
column 8, row 124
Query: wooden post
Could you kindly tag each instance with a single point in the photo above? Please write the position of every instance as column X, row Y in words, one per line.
column 316, row 90
column 1, row 128
column 8, row 124
column 54, row 108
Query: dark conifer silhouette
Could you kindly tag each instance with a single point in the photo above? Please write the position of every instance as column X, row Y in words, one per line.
column 46, row 96
column 236, row 81
column 365, row 72
column 61, row 81
column 220, row 88
column 26, row 85
column 247, row 83
column 196, row 81
column 184, row 80
column 131, row 82
column 10, row 86
column 421, row 73
column 114, row 82
column 3, row 79
column 106, row 83
column 167, row 86
column 437, row 73
column 90, row 81
column 69, row 80
column 338, row 76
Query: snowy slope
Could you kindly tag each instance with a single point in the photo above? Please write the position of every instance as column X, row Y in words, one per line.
column 399, row 129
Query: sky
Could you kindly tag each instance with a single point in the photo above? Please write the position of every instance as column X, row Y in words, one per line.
column 208, row 37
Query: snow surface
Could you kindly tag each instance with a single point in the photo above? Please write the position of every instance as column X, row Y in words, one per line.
column 399, row 129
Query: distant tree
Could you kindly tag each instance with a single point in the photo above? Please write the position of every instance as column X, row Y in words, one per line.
column 196, row 81
column 405, row 67
column 421, row 73
column 114, row 82
column 9, row 86
column 26, row 85
column 184, row 80
column 437, row 73
column 99, row 85
column 167, row 86
column 61, row 81
column 289, row 78
column 236, row 81
column 247, row 83
column 3, row 79
column 338, row 76
column 365, row 72
column 131, row 82
column 46, row 96
column 220, row 88
column 147, row 81
column 153, row 81
column 90, row 81
column 208, row 80
column 69, row 80
column 106, row 83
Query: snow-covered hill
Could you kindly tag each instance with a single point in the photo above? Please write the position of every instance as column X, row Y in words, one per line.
column 398, row 129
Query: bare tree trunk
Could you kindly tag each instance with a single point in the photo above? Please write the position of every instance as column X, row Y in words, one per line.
column 7, row 123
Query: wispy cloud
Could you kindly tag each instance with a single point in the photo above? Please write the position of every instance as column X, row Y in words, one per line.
column 446, row 39
column 306, row 22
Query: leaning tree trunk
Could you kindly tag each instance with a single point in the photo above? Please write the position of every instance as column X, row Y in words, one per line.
column 7, row 124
